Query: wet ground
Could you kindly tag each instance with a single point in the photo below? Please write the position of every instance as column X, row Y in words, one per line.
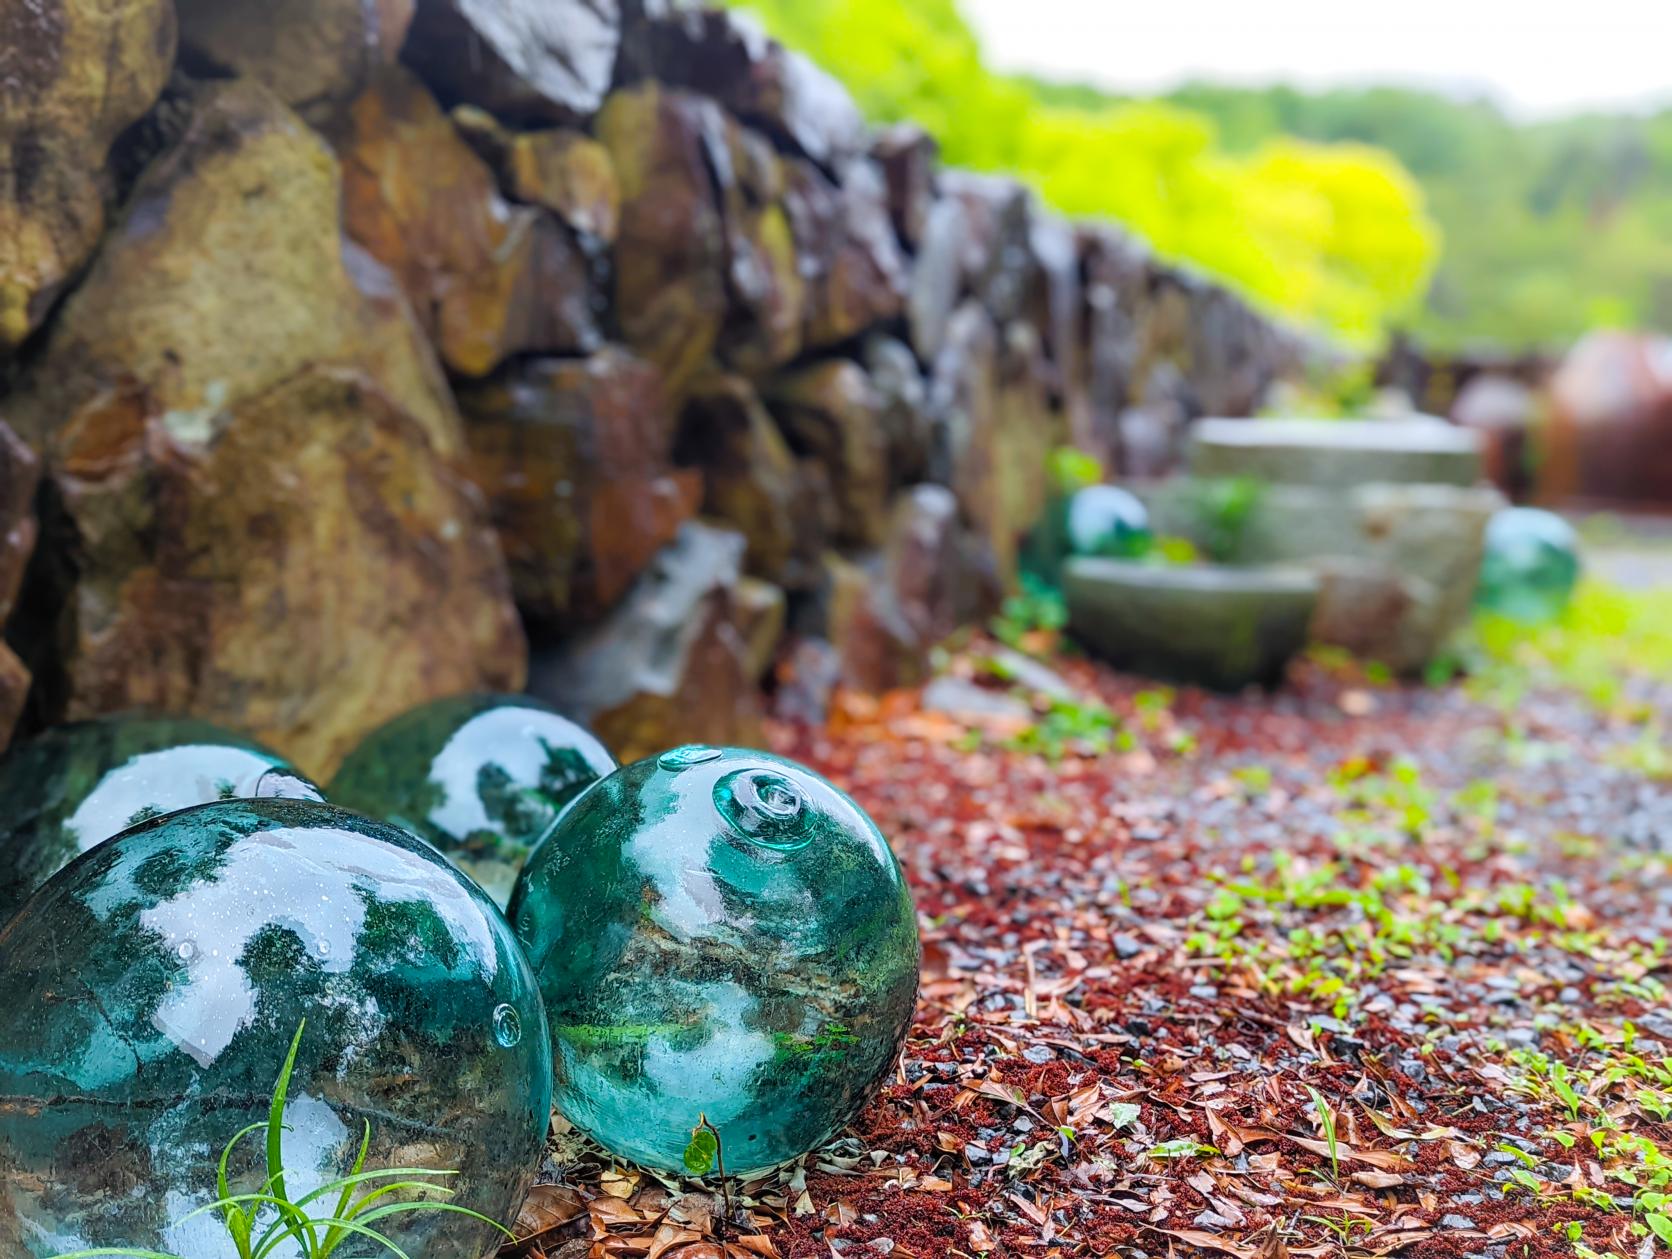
column 1352, row 969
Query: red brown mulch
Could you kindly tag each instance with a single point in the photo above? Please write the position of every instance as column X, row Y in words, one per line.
column 1163, row 960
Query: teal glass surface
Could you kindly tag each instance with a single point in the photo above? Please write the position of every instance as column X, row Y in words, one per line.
column 482, row 777
column 718, row 932
column 1530, row 564
column 74, row 786
column 1107, row 520
column 150, row 991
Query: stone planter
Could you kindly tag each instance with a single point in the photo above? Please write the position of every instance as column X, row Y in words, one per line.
column 1336, row 453
column 1212, row 625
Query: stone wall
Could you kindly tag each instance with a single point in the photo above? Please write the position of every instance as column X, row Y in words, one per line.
column 369, row 350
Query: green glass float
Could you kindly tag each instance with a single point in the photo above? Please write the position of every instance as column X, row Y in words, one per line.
column 1108, row 521
column 482, row 777
column 718, row 933
column 149, row 994
column 74, row 786
column 1530, row 564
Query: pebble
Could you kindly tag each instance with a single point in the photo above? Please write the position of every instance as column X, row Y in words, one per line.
column 1456, row 1222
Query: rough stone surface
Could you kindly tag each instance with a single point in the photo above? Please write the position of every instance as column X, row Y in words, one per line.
column 904, row 394
column 761, row 616
column 316, row 55
column 670, row 275
column 570, row 174
column 831, row 413
column 73, row 75
column 937, row 276
column 725, row 55
column 19, row 470
column 528, row 60
column 908, row 156
column 1335, row 452
column 669, row 663
column 487, row 280
column 574, row 458
column 303, row 566
column 856, row 273
column 1211, row 625
column 752, row 480
column 203, row 297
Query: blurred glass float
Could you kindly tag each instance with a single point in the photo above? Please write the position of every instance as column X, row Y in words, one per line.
column 482, row 777
column 74, row 786
column 1530, row 564
column 150, row 992
column 1108, row 521
column 718, row 933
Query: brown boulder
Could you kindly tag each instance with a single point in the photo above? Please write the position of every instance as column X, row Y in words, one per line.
column 831, row 413
column 856, row 274
column 486, row 279
column 574, row 458
column 528, row 60
column 19, row 471
column 760, row 611
column 904, row 395
column 571, row 175
column 997, row 254
column 302, row 565
column 751, row 479
column 908, row 156
column 316, row 55
column 669, row 664
column 202, row 296
column 671, row 256
column 73, row 75
column 724, row 55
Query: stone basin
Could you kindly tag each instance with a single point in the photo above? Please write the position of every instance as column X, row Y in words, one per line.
column 1212, row 625
column 1336, row 453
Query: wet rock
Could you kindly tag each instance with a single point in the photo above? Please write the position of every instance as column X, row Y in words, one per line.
column 761, row 613
column 937, row 276
column 671, row 256
column 568, row 173
column 202, row 297
column 486, row 280
column 959, row 697
column 726, row 56
column 765, row 275
column 73, row 75
column 316, row 55
column 904, row 394
column 991, row 428
column 856, row 273
column 668, row 665
column 1116, row 286
column 807, row 677
column 751, row 479
column 574, row 456
column 275, row 565
column 524, row 60
column 998, row 254
column 1054, row 305
column 909, row 157
column 19, row 470
column 830, row 412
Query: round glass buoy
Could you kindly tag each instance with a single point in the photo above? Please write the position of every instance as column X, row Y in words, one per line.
column 1107, row 520
column 482, row 777
column 150, row 992
column 1530, row 564
column 718, row 933
column 74, row 786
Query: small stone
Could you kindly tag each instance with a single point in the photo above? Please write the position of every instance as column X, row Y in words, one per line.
column 1126, row 947
column 1456, row 1222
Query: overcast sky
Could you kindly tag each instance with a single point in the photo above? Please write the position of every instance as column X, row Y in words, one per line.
column 1537, row 57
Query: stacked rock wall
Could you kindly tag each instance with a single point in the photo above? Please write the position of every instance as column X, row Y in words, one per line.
column 364, row 352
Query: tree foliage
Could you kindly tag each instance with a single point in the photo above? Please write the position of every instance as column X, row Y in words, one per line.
column 1333, row 234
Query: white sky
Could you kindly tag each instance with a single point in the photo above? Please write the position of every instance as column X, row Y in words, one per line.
column 1536, row 57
